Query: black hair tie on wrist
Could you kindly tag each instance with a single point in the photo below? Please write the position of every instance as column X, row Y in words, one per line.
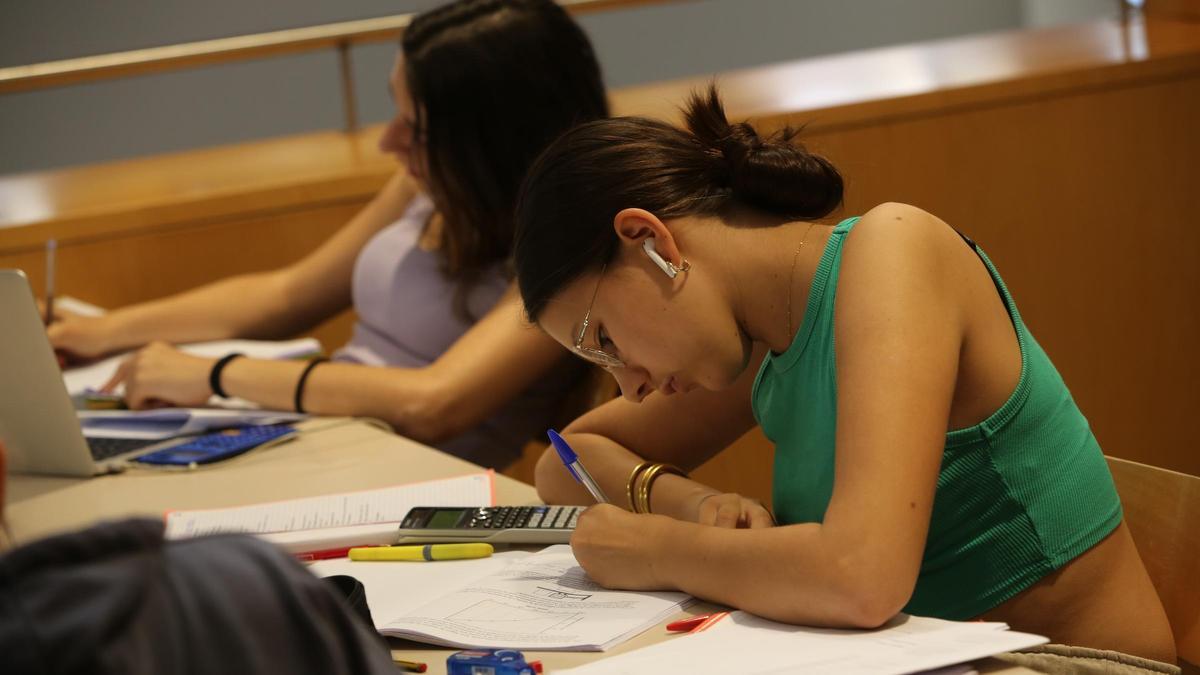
column 299, row 397
column 214, row 375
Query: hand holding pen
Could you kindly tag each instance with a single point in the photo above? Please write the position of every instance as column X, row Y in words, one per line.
column 571, row 460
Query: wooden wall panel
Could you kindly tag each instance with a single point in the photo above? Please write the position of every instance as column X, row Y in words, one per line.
column 131, row 267
column 1089, row 204
column 1187, row 10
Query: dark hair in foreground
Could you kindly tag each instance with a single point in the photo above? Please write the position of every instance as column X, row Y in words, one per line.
column 580, row 183
column 493, row 82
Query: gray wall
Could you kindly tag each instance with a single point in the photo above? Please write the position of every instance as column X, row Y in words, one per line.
column 293, row 94
column 1049, row 12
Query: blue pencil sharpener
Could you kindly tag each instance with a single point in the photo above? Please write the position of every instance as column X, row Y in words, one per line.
column 490, row 662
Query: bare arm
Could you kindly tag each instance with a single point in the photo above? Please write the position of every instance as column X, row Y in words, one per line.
column 684, row 429
column 899, row 332
column 493, row 362
column 272, row 304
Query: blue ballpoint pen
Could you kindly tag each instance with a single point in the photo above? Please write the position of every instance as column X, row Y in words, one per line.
column 569, row 458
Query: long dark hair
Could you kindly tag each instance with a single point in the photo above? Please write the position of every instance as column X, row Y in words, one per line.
column 493, row 82
column 581, row 182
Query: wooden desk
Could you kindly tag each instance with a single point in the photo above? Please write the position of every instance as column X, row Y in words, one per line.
column 332, row 456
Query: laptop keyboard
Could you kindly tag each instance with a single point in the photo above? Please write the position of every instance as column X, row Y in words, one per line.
column 103, row 448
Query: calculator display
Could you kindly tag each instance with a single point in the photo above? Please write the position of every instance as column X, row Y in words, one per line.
column 445, row 518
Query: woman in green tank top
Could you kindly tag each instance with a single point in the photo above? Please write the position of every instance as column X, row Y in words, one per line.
column 928, row 457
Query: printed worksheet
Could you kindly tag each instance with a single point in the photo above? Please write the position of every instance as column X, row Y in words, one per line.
column 397, row 588
column 545, row 601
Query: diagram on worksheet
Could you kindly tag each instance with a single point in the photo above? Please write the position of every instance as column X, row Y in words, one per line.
column 557, row 594
column 515, row 618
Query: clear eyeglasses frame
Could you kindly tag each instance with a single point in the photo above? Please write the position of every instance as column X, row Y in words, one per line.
column 596, row 356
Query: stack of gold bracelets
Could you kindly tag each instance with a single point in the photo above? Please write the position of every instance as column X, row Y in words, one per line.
column 643, row 476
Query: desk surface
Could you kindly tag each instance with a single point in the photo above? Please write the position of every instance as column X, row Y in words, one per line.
column 332, row 456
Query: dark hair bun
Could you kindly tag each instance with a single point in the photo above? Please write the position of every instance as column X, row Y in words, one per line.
column 775, row 174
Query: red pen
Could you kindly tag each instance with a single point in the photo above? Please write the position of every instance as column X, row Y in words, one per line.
column 327, row 554
column 694, row 623
column 690, row 623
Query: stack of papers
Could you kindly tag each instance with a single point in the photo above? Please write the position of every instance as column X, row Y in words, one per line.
column 368, row 517
column 543, row 601
column 744, row 643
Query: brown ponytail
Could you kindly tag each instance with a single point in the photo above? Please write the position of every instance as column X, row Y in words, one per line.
column 774, row 174
column 578, row 185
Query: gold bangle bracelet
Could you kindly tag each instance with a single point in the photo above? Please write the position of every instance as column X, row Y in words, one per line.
column 640, row 496
column 629, row 491
column 646, row 482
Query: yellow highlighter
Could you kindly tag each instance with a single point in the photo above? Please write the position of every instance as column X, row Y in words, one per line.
column 426, row 553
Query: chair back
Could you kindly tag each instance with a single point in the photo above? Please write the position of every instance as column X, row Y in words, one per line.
column 1162, row 510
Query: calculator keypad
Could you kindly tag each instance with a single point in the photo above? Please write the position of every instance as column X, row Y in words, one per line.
column 523, row 517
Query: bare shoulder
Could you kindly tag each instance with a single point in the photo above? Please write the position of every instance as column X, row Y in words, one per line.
column 893, row 243
column 896, row 224
column 899, row 261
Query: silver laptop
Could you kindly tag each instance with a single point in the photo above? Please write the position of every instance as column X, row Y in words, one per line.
column 38, row 423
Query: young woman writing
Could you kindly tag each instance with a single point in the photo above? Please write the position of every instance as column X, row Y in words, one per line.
column 929, row 458
column 481, row 86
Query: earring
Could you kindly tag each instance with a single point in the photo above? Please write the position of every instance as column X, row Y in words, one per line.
column 667, row 267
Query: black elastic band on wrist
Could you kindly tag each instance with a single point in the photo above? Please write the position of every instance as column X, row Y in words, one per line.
column 298, row 400
column 214, row 375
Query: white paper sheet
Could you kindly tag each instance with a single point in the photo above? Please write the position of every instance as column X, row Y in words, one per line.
column 95, row 375
column 67, row 303
column 744, row 643
column 322, row 520
column 396, row 588
column 308, row 541
column 544, row 602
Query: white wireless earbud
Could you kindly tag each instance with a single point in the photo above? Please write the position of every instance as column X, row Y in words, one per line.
column 667, row 268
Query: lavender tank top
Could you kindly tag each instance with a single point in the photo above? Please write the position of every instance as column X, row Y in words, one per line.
column 406, row 319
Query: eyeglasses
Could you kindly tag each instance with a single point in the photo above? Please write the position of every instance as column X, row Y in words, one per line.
column 597, row 356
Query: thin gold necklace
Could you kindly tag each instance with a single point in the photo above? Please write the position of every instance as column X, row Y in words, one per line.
column 792, row 278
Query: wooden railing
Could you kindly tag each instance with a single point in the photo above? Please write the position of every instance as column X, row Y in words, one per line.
column 338, row 36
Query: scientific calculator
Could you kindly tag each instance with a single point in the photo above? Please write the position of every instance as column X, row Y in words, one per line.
column 493, row 524
column 218, row 445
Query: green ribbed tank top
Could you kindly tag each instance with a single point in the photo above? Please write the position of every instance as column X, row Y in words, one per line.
column 1018, row 495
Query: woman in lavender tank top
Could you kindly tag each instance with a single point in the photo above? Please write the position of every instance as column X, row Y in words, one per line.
column 440, row 349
